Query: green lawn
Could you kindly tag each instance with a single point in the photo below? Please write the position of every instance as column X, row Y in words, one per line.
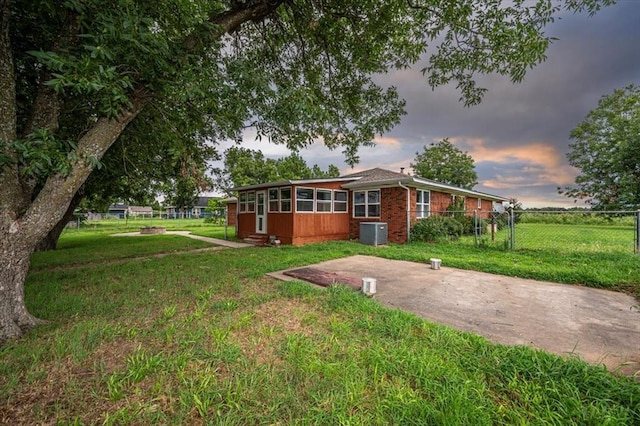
column 206, row 338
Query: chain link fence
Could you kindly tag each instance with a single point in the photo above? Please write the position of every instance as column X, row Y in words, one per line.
column 123, row 219
column 566, row 230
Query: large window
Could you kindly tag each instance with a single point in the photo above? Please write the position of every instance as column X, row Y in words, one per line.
column 243, row 202
column 304, row 199
column 366, row 203
column 323, row 200
column 423, row 199
column 339, row 201
column 251, row 202
column 285, row 200
column 280, row 200
column 274, row 201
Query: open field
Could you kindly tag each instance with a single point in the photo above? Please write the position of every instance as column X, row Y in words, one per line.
column 205, row 338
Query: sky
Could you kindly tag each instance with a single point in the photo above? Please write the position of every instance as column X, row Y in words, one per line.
column 519, row 135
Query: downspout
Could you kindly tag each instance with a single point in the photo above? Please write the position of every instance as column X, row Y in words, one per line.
column 408, row 210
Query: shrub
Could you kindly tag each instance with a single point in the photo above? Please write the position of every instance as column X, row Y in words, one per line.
column 436, row 228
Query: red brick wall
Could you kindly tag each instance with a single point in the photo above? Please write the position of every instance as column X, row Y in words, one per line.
column 440, row 201
column 393, row 211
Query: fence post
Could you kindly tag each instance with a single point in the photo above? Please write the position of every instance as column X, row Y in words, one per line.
column 637, row 247
column 475, row 228
column 512, row 223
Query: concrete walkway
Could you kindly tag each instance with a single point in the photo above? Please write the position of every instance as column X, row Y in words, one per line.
column 216, row 241
column 599, row 326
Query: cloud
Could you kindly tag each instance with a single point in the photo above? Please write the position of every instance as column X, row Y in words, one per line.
column 382, row 140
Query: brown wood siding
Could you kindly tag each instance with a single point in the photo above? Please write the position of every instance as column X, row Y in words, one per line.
column 299, row 228
column 309, row 227
column 246, row 224
column 232, row 209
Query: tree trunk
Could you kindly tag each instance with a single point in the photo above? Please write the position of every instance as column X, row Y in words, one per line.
column 50, row 242
column 15, row 320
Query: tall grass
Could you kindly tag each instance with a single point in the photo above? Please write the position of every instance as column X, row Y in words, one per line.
column 207, row 339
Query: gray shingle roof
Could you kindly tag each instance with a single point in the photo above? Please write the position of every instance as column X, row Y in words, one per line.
column 376, row 174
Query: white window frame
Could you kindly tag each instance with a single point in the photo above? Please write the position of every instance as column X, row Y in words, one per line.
column 242, row 202
column 275, row 201
column 251, row 202
column 283, row 200
column 423, row 210
column 340, row 202
column 366, row 204
column 479, row 203
column 324, row 202
column 311, row 200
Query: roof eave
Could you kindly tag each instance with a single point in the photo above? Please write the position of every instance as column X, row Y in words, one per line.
column 422, row 183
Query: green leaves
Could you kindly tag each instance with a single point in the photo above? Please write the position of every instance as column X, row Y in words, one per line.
column 42, row 154
column 445, row 163
column 606, row 149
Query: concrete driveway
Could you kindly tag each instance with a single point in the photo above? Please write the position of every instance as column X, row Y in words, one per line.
column 599, row 326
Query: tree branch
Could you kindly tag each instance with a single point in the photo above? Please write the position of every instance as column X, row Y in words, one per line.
column 58, row 190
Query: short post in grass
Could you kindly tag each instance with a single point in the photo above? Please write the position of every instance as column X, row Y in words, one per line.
column 637, row 247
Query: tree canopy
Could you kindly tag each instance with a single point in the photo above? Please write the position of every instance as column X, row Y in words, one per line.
column 445, row 163
column 74, row 74
column 244, row 166
column 606, row 150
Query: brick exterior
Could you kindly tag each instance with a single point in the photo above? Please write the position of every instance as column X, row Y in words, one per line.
column 393, row 212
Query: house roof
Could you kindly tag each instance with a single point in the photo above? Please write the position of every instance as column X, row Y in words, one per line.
column 291, row 182
column 141, row 209
column 377, row 178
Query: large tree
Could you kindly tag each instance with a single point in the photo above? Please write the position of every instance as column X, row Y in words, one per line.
column 75, row 73
column 606, row 149
column 446, row 163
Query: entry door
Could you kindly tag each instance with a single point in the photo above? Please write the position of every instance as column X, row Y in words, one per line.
column 261, row 212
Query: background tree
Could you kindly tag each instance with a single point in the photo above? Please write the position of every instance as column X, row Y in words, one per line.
column 74, row 74
column 606, row 149
column 244, row 166
column 445, row 163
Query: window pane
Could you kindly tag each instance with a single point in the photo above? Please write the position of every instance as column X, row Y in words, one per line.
column 273, row 206
column 251, row 197
column 358, row 197
column 425, row 196
column 243, row 197
column 359, row 211
column 304, row 193
column 323, row 194
column 373, row 197
column 273, row 194
column 419, row 197
column 339, row 207
column 340, row 195
column 285, row 193
column 323, row 207
column 285, row 205
column 374, row 210
column 304, row 205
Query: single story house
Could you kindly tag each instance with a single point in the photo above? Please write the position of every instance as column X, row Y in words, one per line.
column 124, row 210
column 196, row 211
column 311, row 210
